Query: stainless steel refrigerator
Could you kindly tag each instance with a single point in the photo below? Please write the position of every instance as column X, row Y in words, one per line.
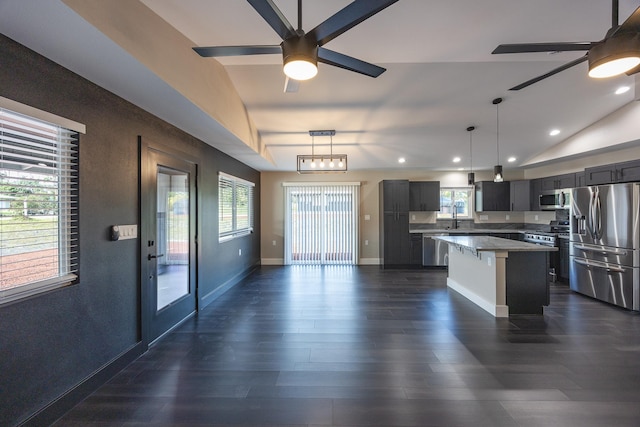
column 604, row 247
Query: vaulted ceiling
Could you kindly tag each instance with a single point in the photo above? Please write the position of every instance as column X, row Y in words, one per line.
column 441, row 77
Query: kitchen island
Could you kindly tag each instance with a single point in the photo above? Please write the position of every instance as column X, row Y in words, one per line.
column 502, row 276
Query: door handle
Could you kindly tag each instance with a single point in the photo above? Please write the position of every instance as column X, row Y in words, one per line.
column 150, row 257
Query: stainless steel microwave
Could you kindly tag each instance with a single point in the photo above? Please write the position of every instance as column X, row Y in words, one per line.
column 555, row 199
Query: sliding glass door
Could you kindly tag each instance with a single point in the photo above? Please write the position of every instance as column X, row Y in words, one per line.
column 321, row 223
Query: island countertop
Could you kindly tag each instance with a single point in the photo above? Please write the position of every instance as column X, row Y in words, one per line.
column 493, row 244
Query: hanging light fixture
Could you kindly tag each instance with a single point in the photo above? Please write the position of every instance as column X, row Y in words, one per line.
column 497, row 169
column 317, row 163
column 471, row 177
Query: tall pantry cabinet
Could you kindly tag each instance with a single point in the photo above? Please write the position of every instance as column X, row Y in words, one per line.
column 395, row 242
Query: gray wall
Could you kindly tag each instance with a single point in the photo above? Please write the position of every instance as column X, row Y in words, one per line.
column 52, row 342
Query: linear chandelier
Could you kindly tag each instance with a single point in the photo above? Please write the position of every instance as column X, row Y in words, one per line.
column 322, row 163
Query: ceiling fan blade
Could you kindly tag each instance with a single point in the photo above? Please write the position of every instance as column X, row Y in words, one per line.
column 270, row 13
column 214, row 51
column 542, row 47
column 336, row 59
column 630, row 25
column 550, row 73
column 291, row 85
column 347, row 18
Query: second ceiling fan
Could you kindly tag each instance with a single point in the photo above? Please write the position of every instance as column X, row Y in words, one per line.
column 302, row 51
column 620, row 46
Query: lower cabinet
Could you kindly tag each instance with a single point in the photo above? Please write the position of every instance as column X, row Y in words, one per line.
column 563, row 260
column 395, row 244
column 415, row 252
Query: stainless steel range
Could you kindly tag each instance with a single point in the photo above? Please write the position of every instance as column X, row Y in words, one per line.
column 557, row 229
column 540, row 238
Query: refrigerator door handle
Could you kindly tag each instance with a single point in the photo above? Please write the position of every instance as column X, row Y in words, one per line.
column 598, row 218
column 600, row 250
column 596, row 264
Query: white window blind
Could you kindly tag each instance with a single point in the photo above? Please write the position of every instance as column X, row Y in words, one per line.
column 38, row 205
column 235, row 206
column 321, row 223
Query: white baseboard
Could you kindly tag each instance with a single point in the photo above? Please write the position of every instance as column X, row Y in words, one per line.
column 494, row 309
column 369, row 261
column 272, row 261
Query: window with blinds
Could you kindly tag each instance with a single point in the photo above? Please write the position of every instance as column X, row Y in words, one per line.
column 235, row 206
column 38, row 205
column 321, row 223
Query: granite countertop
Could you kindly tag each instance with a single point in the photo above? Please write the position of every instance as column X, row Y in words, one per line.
column 493, row 244
column 465, row 230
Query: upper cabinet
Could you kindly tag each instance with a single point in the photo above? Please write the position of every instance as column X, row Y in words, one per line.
column 493, row 196
column 394, row 195
column 520, row 195
column 616, row 172
column 557, row 182
column 424, row 195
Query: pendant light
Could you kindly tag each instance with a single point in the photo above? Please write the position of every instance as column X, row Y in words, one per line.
column 471, row 177
column 322, row 163
column 497, row 169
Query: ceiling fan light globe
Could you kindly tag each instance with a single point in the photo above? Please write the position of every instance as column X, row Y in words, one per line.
column 614, row 56
column 614, row 67
column 300, row 58
column 300, row 70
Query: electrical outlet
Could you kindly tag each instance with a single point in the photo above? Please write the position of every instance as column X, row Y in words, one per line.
column 366, row 243
column 239, row 252
column 367, row 217
column 507, row 217
column 273, row 242
column 535, row 217
column 413, row 217
column 489, row 261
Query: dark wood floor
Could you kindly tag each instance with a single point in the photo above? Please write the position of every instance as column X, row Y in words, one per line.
column 360, row 346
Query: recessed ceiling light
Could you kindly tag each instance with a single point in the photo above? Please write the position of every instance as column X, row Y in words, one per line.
column 456, row 159
column 401, row 160
column 554, row 132
column 460, row 169
column 511, row 159
column 622, row 89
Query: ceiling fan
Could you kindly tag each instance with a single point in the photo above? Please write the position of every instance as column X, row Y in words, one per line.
column 302, row 51
column 617, row 53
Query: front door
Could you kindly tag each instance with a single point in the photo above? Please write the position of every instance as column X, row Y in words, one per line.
column 168, row 241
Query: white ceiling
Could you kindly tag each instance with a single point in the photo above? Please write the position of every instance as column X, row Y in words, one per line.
column 440, row 78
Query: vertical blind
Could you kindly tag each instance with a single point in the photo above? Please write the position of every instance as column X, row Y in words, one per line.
column 321, row 223
column 235, row 206
column 38, row 205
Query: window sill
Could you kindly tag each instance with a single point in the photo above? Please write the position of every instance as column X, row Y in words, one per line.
column 228, row 237
column 25, row 291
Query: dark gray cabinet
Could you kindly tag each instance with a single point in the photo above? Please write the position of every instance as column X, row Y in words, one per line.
column 424, row 195
column 557, row 182
column 615, row 172
column 395, row 243
column 581, row 179
column 535, row 188
column 415, row 251
column 563, row 260
column 492, row 196
column 520, row 195
column 394, row 195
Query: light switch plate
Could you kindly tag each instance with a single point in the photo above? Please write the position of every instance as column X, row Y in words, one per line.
column 124, row 232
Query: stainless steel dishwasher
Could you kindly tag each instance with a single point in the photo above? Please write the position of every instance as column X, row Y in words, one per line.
column 435, row 253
